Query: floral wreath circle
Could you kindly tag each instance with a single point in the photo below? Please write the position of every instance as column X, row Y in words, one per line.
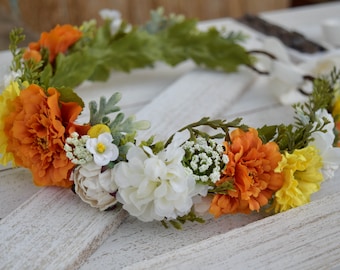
column 234, row 169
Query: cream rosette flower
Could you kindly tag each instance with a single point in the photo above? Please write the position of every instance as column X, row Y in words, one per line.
column 323, row 141
column 154, row 187
column 94, row 186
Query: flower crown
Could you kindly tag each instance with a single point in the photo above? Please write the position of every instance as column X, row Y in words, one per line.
column 230, row 169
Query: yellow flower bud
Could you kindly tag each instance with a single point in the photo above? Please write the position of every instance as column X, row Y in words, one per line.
column 98, row 129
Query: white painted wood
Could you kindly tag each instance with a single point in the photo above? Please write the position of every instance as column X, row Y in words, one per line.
column 53, row 230
column 306, row 237
column 15, row 188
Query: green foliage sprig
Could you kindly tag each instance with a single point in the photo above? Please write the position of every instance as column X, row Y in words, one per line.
column 123, row 130
column 179, row 221
column 171, row 39
column 299, row 134
column 195, row 132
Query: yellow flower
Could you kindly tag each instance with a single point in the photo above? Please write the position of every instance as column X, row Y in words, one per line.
column 336, row 108
column 302, row 177
column 6, row 106
column 98, row 129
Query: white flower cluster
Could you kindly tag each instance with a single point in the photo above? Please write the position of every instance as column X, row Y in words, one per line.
column 75, row 148
column 205, row 159
column 149, row 186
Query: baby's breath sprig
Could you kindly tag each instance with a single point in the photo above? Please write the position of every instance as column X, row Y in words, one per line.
column 75, row 148
column 204, row 159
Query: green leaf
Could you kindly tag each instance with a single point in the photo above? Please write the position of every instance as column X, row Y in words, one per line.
column 45, row 75
column 267, row 133
column 100, row 73
column 98, row 116
column 210, row 49
column 68, row 95
column 72, row 69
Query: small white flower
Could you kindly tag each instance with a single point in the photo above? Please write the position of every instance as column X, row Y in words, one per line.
column 95, row 187
column 324, row 142
column 103, row 149
column 114, row 16
column 109, row 14
column 154, row 187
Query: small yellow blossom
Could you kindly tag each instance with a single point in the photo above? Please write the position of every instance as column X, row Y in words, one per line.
column 336, row 108
column 302, row 177
column 98, row 129
column 6, row 107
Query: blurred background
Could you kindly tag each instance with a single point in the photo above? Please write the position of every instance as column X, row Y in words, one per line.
column 42, row 15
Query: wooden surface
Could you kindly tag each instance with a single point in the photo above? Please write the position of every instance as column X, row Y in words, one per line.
column 309, row 231
column 36, row 16
column 50, row 228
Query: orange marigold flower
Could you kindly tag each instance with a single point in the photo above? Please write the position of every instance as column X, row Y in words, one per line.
column 36, row 132
column 251, row 169
column 58, row 40
column 32, row 54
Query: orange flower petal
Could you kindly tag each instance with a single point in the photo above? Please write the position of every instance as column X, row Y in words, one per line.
column 36, row 130
column 251, row 166
column 58, row 40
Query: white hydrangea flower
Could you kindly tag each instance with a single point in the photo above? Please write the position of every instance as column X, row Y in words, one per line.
column 324, row 142
column 102, row 149
column 154, row 187
column 95, row 187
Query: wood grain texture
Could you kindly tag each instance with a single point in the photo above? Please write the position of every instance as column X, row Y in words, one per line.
column 54, row 229
column 43, row 15
column 306, row 237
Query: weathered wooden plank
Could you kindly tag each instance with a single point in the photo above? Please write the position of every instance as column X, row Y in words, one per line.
column 53, row 217
column 53, row 230
column 306, row 237
column 16, row 188
column 199, row 93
